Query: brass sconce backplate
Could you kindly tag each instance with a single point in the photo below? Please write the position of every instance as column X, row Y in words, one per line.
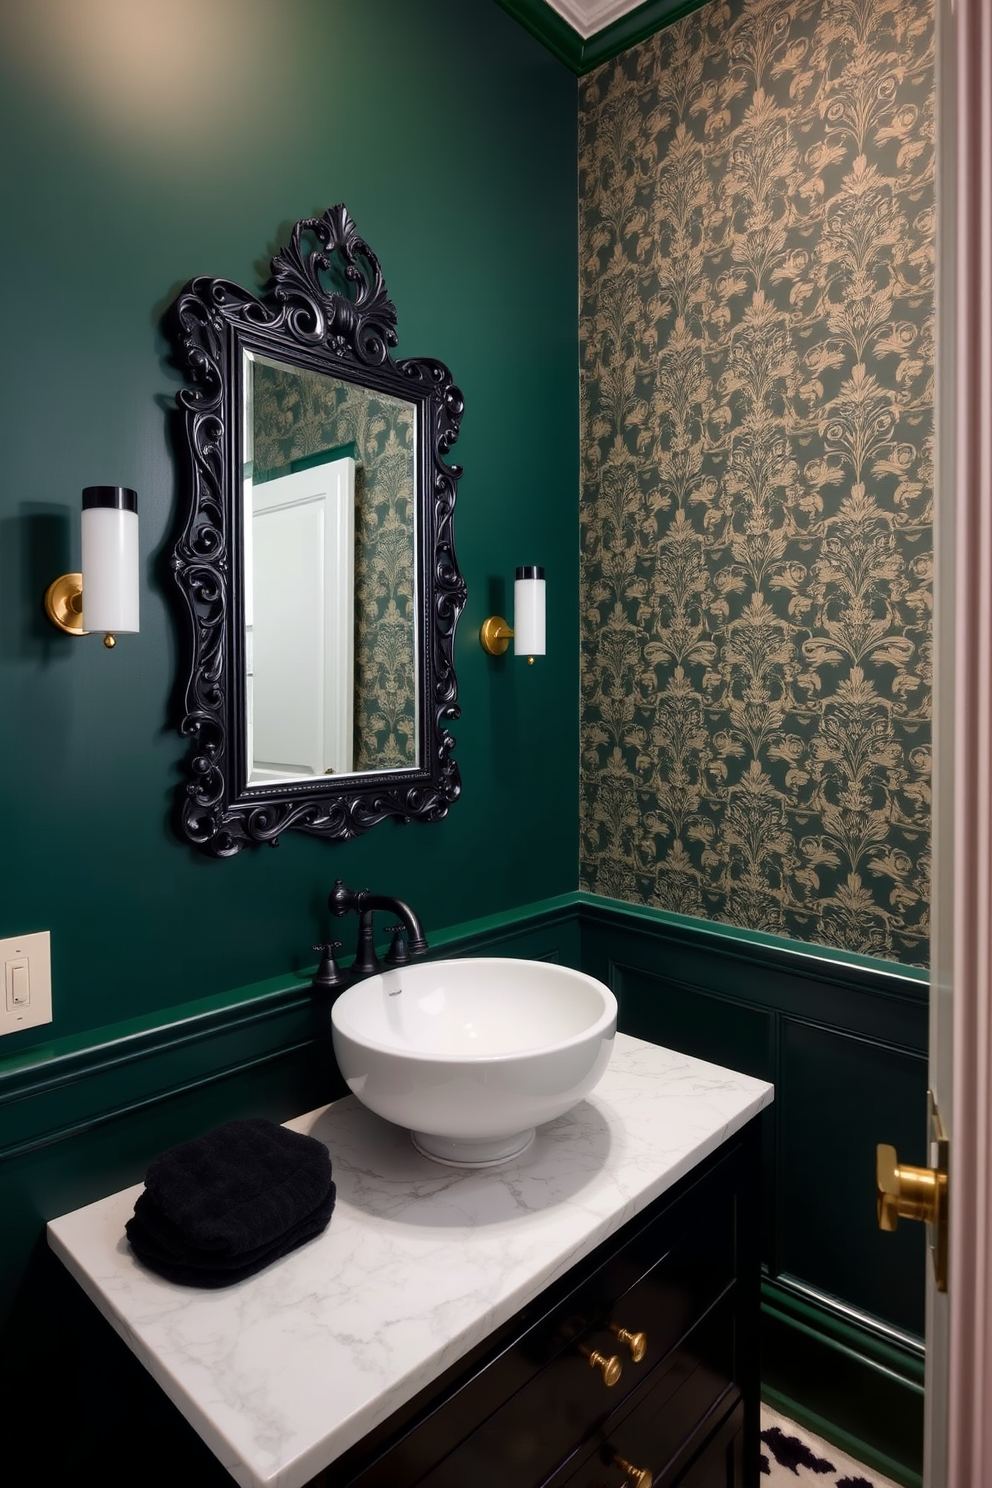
column 64, row 604
column 495, row 635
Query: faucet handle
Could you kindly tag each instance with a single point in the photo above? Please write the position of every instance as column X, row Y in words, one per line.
column 397, row 955
column 341, row 899
column 328, row 977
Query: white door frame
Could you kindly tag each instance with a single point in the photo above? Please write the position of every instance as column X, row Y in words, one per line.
column 959, row 1328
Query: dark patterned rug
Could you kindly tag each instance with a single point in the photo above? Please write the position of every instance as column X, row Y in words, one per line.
column 792, row 1457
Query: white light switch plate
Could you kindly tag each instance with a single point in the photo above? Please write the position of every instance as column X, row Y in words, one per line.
column 26, row 989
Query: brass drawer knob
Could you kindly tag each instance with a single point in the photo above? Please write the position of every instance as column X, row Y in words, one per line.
column 637, row 1343
column 638, row 1477
column 610, row 1368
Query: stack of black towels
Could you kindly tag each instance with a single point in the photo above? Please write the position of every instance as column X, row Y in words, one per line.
column 219, row 1208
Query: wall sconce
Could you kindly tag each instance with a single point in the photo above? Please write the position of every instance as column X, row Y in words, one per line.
column 528, row 618
column 109, row 528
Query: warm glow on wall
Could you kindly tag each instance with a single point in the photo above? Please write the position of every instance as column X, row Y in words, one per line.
column 151, row 73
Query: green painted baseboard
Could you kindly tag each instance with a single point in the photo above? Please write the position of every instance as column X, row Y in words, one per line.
column 846, row 1376
column 860, row 1450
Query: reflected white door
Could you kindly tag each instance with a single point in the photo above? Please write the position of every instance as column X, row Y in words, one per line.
column 302, row 632
column 959, row 1323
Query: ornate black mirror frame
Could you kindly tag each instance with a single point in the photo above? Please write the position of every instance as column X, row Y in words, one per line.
column 303, row 322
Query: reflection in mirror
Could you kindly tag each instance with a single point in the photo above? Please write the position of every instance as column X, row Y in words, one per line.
column 330, row 655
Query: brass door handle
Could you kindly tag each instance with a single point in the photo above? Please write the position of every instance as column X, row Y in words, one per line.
column 609, row 1367
column 903, row 1192
column 637, row 1343
column 637, row 1477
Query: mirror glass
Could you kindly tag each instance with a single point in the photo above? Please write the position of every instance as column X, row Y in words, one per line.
column 329, row 483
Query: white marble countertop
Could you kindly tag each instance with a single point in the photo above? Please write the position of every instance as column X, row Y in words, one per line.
column 282, row 1373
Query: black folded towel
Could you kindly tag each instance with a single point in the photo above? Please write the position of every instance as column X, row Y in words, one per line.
column 219, row 1208
column 190, row 1269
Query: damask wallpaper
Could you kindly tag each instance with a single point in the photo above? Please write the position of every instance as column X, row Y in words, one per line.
column 298, row 414
column 757, row 261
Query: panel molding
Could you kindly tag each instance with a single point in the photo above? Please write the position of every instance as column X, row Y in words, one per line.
column 813, row 963
column 48, row 1100
column 71, row 1086
column 275, row 1018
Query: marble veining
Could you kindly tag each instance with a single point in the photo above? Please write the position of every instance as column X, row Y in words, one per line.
column 282, row 1373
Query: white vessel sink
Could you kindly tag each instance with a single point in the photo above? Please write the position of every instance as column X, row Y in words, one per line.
column 471, row 1055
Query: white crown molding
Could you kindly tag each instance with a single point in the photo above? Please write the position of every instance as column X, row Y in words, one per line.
column 589, row 16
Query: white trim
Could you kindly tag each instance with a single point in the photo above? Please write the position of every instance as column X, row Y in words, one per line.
column 587, row 17
column 959, row 1436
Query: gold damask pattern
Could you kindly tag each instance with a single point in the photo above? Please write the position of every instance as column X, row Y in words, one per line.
column 299, row 414
column 757, row 258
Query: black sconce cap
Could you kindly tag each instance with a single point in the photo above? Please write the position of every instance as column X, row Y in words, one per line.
column 530, row 572
column 121, row 497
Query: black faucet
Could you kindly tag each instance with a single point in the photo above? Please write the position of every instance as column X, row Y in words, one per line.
column 342, row 900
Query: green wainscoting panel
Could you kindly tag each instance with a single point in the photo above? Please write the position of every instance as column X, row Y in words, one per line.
column 78, row 1121
column 843, row 1039
column 549, row 930
column 707, row 1026
column 580, row 54
column 838, row 1096
column 703, row 1024
column 880, row 1000
column 43, row 1099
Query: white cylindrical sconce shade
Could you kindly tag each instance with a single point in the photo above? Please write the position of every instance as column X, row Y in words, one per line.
column 528, row 612
column 110, row 559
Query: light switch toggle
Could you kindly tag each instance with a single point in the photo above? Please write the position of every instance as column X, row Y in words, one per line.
column 18, row 980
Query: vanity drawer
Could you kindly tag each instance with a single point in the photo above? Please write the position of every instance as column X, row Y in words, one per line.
column 672, row 1272
column 529, row 1402
column 720, row 1463
column 713, row 1458
column 669, row 1427
column 567, row 1400
column 664, row 1304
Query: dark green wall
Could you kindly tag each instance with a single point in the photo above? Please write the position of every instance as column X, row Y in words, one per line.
column 453, row 146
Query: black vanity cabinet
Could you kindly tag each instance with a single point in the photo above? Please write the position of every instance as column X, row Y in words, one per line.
column 672, row 1297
